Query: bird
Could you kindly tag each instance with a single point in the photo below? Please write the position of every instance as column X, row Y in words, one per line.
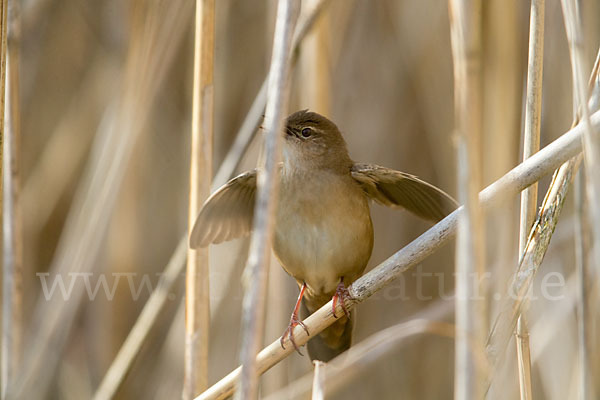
column 323, row 232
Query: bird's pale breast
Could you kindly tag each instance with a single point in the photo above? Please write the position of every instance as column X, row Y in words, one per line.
column 323, row 230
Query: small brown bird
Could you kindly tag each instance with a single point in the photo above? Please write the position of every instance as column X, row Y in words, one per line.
column 323, row 235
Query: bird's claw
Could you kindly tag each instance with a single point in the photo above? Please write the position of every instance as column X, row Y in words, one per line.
column 289, row 332
column 341, row 294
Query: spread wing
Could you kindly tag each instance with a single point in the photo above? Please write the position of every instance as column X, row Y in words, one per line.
column 227, row 214
column 398, row 189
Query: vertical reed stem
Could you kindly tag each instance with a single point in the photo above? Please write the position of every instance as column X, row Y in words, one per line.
column 315, row 65
column 582, row 293
column 318, row 386
column 12, row 224
column 465, row 25
column 256, row 273
column 197, row 317
column 7, row 215
column 531, row 144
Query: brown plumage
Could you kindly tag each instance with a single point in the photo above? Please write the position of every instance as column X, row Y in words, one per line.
column 323, row 234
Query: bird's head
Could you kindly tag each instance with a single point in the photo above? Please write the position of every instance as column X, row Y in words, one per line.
column 313, row 141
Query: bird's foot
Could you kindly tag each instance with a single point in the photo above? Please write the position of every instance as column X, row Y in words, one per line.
column 289, row 332
column 341, row 294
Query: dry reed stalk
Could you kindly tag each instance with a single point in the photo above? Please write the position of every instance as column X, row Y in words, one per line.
column 471, row 320
column 586, row 389
column 256, row 272
column 140, row 330
column 531, row 144
column 502, row 119
column 586, row 383
column 3, row 53
column 6, row 147
column 318, row 383
column 255, row 114
column 12, row 303
column 159, row 28
column 512, row 183
column 197, row 317
column 315, row 95
column 523, row 358
column 315, row 65
column 591, row 140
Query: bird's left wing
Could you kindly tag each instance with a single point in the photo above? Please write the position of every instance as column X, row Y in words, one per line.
column 398, row 189
column 227, row 214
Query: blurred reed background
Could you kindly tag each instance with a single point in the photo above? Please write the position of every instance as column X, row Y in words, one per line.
column 103, row 100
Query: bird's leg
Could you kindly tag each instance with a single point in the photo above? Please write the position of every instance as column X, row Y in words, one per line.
column 294, row 321
column 341, row 294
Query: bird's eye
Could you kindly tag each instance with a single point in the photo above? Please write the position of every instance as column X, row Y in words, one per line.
column 306, row 132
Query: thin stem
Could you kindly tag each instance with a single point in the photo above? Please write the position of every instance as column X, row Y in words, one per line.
column 197, row 320
column 531, row 144
column 466, row 24
column 315, row 66
column 3, row 53
column 512, row 183
column 523, row 358
column 6, row 146
column 256, row 272
column 585, row 389
column 12, row 304
column 318, row 386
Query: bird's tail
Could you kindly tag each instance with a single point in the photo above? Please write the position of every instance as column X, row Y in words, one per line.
column 334, row 340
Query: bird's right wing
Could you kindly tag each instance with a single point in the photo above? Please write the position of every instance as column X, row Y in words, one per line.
column 227, row 214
